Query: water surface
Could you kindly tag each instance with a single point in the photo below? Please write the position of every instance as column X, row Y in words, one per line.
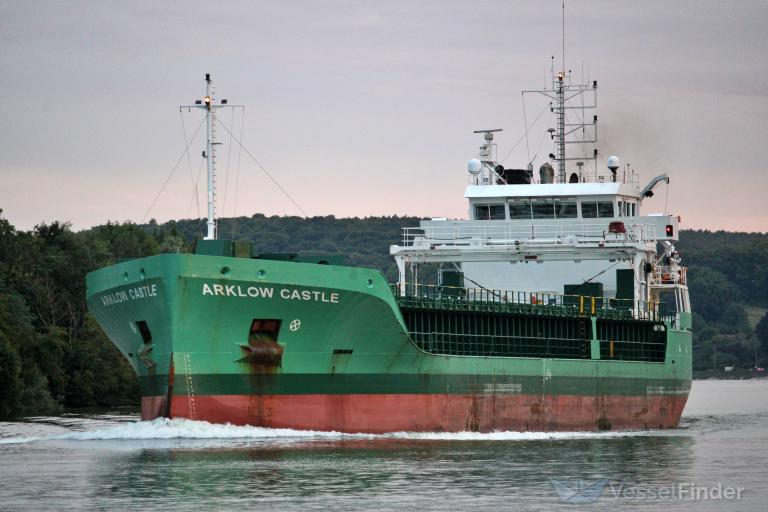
column 113, row 461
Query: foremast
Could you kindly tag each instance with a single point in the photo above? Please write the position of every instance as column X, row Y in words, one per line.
column 209, row 105
column 210, row 118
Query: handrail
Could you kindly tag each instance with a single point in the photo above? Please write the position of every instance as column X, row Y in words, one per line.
column 454, row 297
column 506, row 234
column 669, row 274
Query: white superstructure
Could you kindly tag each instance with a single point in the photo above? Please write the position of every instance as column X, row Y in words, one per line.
column 555, row 234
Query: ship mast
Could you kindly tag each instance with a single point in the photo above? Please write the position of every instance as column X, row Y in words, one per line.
column 210, row 107
column 579, row 130
column 210, row 156
column 560, row 112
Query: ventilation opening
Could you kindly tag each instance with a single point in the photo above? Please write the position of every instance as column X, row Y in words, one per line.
column 146, row 334
column 342, row 351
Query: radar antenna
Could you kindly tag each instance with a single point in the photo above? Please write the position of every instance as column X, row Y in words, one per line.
column 487, row 156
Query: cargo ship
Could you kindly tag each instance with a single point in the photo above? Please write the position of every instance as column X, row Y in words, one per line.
column 555, row 306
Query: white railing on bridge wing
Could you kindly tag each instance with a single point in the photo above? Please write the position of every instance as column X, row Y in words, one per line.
column 467, row 234
column 631, row 178
column 669, row 274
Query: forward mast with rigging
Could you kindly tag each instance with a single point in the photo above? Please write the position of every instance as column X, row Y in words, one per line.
column 208, row 104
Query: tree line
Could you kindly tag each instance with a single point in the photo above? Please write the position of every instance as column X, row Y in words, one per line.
column 53, row 355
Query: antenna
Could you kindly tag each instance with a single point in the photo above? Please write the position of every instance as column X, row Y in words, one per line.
column 488, row 149
column 486, row 155
column 209, row 154
column 580, row 131
column 563, row 35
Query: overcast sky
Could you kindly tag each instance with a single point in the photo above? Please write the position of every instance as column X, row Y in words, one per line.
column 367, row 107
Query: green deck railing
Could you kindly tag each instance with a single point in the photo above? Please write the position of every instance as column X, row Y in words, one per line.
column 495, row 323
column 535, row 303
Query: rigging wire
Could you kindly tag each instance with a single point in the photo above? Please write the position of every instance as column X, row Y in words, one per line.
column 189, row 164
column 525, row 125
column 492, row 292
column 237, row 174
column 181, row 157
column 606, row 269
column 226, row 173
column 285, row 192
column 541, row 142
column 194, row 192
column 265, row 170
column 525, row 134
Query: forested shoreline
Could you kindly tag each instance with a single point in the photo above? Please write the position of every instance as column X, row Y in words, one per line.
column 53, row 355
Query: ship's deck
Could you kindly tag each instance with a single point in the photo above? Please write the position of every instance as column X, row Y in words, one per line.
column 497, row 323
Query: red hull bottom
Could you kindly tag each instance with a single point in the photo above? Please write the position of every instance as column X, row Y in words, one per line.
column 426, row 413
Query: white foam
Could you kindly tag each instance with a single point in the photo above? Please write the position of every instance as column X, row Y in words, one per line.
column 509, row 435
column 19, row 440
column 165, row 429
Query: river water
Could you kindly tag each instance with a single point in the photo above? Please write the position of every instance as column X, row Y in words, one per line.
column 716, row 460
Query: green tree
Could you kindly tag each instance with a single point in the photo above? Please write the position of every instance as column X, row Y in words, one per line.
column 10, row 378
column 761, row 331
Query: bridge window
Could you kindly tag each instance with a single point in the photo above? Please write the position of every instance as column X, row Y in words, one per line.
column 605, row 209
column 668, row 302
column 589, row 210
column 543, row 209
column 519, row 210
column 489, row 212
column 595, row 209
column 565, row 209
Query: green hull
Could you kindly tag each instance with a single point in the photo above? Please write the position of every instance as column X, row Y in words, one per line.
column 185, row 324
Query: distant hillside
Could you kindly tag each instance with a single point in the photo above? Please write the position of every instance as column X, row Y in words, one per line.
column 363, row 242
column 728, row 282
